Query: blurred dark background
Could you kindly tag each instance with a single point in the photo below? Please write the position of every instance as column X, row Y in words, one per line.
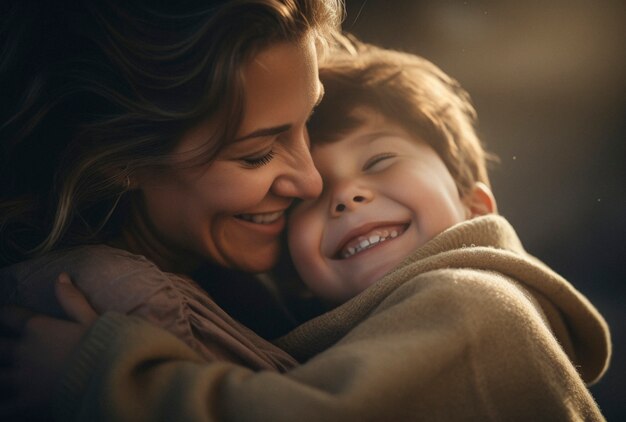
column 548, row 79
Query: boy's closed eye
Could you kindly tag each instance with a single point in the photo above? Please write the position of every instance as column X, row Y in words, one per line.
column 378, row 161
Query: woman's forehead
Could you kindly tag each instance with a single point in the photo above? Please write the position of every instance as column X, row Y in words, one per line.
column 281, row 83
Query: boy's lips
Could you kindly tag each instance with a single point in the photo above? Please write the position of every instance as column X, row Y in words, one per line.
column 368, row 236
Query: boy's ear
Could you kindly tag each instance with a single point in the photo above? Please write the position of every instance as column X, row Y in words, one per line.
column 480, row 201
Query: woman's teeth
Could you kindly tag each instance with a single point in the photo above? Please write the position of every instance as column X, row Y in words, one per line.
column 365, row 242
column 261, row 218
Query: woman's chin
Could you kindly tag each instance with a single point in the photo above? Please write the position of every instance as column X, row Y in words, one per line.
column 256, row 261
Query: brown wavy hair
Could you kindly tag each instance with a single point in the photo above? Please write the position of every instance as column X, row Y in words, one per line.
column 97, row 90
column 409, row 90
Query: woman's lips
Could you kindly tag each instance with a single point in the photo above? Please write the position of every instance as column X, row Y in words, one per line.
column 267, row 224
column 261, row 218
column 369, row 238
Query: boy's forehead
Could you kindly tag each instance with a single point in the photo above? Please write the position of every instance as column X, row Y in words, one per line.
column 363, row 119
column 370, row 125
column 368, row 115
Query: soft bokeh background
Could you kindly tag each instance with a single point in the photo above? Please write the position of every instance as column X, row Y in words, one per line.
column 548, row 79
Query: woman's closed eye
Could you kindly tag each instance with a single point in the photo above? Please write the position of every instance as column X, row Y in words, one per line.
column 258, row 161
column 377, row 161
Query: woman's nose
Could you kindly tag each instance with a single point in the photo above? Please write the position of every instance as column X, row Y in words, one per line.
column 309, row 184
column 299, row 178
column 349, row 197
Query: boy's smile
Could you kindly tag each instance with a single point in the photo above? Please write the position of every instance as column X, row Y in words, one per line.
column 385, row 194
column 366, row 237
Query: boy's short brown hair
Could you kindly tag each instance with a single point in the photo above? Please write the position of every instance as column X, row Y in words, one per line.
column 408, row 90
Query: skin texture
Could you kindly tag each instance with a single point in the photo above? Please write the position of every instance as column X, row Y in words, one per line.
column 196, row 213
column 377, row 179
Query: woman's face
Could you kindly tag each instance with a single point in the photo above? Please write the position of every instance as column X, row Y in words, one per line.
column 231, row 211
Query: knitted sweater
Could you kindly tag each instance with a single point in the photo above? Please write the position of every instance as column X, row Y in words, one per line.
column 469, row 327
column 116, row 280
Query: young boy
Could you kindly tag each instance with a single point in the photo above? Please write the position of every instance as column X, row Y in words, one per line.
column 395, row 144
column 386, row 193
column 406, row 234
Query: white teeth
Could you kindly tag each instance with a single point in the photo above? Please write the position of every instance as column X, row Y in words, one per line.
column 366, row 243
column 262, row 218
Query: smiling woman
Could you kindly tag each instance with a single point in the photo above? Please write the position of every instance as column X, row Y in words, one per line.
column 184, row 146
column 231, row 211
column 149, row 148
column 176, row 133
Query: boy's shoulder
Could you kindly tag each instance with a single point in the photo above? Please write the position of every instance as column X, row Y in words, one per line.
column 480, row 270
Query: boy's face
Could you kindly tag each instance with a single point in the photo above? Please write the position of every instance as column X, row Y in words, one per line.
column 384, row 194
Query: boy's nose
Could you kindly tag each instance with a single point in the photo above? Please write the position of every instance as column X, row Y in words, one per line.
column 340, row 207
column 344, row 202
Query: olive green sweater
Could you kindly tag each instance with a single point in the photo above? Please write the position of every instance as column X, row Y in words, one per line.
column 470, row 327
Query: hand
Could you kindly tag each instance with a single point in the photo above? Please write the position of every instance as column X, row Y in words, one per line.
column 34, row 350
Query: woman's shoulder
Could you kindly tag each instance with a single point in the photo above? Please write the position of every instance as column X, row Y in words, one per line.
column 107, row 276
column 100, row 259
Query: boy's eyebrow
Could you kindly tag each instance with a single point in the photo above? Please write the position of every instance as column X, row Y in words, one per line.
column 371, row 137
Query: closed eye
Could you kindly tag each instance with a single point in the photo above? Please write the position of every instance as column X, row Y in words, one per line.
column 256, row 162
column 373, row 161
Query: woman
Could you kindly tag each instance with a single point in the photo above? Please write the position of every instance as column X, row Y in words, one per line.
column 175, row 135
column 153, row 148
column 230, row 213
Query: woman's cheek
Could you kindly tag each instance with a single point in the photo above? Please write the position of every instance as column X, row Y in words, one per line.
column 235, row 192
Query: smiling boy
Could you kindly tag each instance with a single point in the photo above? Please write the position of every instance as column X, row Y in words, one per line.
column 385, row 194
column 400, row 161
column 406, row 246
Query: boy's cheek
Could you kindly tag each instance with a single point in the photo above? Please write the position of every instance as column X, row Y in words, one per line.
column 304, row 238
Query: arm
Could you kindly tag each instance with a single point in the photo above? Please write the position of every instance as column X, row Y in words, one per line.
column 30, row 367
column 115, row 280
column 446, row 344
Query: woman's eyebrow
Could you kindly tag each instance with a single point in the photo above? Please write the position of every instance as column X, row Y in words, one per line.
column 268, row 131
column 277, row 130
